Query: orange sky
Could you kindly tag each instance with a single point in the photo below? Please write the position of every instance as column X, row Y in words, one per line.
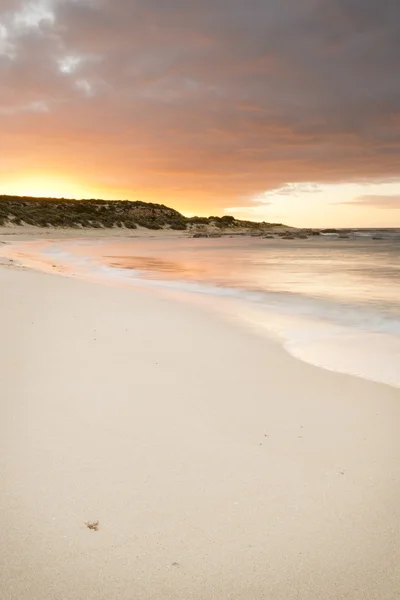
column 281, row 110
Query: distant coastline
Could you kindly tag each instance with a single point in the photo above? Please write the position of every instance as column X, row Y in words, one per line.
column 122, row 214
column 94, row 217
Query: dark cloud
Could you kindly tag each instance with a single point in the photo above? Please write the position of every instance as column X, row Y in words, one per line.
column 376, row 201
column 219, row 98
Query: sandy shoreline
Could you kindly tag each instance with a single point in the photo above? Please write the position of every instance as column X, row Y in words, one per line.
column 217, row 465
column 11, row 233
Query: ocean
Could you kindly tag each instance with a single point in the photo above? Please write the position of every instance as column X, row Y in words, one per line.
column 333, row 302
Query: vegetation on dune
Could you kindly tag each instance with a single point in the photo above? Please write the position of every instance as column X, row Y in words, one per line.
column 49, row 212
column 53, row 212
column 229, row 222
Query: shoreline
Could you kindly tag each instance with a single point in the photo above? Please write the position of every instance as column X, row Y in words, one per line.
column 282, row 233
column 217, row 464
column 26, row 232
column 328, row 343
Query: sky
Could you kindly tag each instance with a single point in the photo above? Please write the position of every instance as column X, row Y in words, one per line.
column 276, row 110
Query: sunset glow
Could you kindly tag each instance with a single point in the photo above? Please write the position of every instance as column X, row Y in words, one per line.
column 205, row 107
column 46, row 186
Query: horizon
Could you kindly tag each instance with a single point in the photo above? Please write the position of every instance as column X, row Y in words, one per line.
column 279, row 112
column 68, row 199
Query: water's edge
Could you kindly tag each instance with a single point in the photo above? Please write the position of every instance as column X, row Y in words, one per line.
column 339, row 338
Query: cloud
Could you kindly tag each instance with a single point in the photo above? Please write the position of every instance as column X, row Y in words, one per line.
column 376, row 201
column 211, row 101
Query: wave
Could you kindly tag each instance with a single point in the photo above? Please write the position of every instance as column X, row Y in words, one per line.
column 283, row 303
column 360, row 338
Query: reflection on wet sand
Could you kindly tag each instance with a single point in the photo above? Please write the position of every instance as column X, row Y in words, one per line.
column 153, row 265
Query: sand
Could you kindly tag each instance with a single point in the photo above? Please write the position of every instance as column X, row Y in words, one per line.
column 218, row 466
column 11, row 233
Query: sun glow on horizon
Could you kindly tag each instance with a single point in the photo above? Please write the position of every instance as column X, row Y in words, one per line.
column 58, row 186
column 47, row 186
column 297, row 204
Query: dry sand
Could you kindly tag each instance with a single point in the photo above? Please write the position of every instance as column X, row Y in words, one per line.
column 218, row 466
column 11, row 233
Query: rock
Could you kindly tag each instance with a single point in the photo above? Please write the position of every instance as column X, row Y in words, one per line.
column 207, row 235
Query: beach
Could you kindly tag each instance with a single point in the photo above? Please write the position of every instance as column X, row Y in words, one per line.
column 217, row 465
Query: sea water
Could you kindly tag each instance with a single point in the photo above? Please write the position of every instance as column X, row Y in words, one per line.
column 330, row 301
